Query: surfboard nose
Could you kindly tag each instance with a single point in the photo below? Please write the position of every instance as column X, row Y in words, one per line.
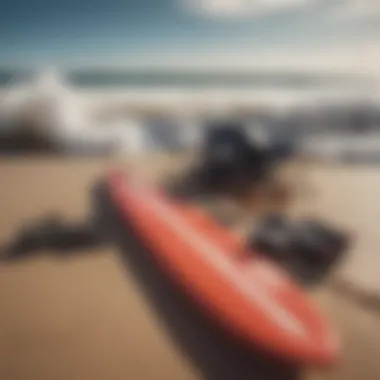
column 290, row 323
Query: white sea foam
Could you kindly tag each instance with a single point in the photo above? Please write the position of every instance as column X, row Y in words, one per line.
column 113, row 119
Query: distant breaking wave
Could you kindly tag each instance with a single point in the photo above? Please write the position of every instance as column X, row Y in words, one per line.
column 78, row 123
column 90, row 78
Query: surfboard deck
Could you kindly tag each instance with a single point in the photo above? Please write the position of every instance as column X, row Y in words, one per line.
column 247, row 294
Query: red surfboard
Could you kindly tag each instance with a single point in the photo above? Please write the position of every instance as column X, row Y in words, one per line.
column 247, row 294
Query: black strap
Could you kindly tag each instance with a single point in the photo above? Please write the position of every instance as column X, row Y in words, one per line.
column 52, row 234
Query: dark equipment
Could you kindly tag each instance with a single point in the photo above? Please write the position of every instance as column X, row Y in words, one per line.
column 307, row 248
column 230, row 162
column 53, row 234
column 230, row 159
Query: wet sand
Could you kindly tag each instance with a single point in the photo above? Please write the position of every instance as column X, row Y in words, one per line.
column 104, row 315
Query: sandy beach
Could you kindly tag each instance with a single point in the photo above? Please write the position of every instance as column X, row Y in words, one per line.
column 104, row 315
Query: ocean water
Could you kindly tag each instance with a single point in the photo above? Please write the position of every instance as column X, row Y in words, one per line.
column 166, row 134
column 189, row 79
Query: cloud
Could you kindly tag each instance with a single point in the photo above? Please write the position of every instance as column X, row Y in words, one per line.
column 336, row 10
column 243, row 8
column 356, row 10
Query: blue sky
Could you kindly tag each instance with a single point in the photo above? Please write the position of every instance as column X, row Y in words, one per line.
column 107, row 31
